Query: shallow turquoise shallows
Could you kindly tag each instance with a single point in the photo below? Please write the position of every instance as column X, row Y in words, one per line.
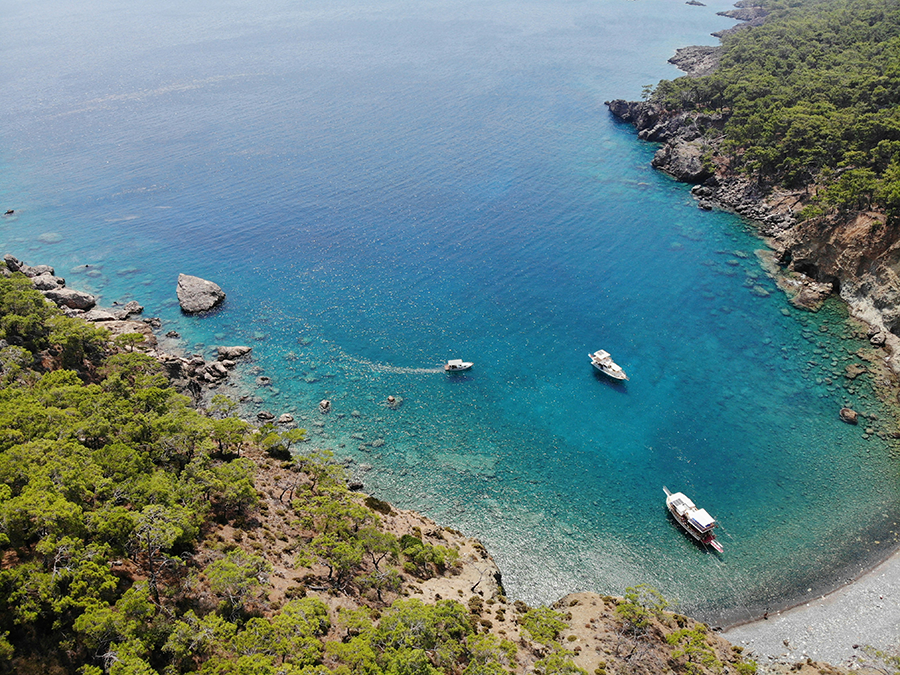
column 380, row 186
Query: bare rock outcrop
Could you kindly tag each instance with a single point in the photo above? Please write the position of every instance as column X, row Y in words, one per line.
column 44, row 279
column 685, row 137
column 860, row 256
column 233, row 353
column 697, row 60
column 71, row 298
column 198, row 295
column 47, row 282
column 16, row 265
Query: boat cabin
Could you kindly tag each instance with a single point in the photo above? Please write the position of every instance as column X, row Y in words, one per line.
column 699, row 519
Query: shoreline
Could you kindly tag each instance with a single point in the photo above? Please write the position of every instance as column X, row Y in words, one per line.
column 165, row 347
column 832, row 627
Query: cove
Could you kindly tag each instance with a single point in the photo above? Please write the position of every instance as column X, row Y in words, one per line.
column 380, row 187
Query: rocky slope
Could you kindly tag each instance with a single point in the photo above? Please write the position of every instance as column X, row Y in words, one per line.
column 596, row 634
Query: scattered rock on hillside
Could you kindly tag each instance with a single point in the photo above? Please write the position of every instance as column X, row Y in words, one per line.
column 119, row 327
column 71, row 298
column 198, row 295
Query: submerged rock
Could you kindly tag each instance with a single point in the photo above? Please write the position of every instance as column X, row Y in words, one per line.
column 198, row 295
column 849, row 416
column 232, row 353
column 854, row 370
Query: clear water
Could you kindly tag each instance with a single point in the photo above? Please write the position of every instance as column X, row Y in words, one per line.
column 380, row 186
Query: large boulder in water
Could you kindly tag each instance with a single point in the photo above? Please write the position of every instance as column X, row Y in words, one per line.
column 198, row 295
column 233, row 353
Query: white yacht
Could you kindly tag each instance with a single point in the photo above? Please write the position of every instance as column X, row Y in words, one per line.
column 602, row 361
column 454, row 365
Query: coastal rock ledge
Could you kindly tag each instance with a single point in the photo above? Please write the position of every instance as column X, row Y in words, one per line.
column 198, row 295
column 855, row 255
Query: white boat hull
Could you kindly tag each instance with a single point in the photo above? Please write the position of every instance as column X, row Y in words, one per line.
column 616, row 375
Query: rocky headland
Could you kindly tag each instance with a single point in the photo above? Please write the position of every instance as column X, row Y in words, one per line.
column 190, row 374
column 855, row 256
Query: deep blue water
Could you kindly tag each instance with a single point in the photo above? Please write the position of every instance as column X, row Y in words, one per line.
column 379, row 186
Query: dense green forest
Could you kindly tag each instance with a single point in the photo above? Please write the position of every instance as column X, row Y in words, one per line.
column 134, row 537
column 811, row 97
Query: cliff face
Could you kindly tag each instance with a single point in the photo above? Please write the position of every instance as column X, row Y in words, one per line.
column 855, row 255
column 859, row 255
column 684, row 137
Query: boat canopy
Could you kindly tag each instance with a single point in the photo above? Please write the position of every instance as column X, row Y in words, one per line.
column 680, row 503
column 702, row 520
column 455, row 362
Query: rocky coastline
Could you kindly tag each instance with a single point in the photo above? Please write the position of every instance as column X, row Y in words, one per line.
column 594, row 626
column 856, row 257
column 189, row 374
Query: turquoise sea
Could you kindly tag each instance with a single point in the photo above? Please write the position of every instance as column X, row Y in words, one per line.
column 382, row 185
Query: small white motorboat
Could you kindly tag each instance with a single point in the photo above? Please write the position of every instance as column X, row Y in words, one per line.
column 454, row 365
column 602, row 361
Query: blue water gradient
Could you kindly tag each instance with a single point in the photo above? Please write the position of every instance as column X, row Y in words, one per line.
column 380, row 186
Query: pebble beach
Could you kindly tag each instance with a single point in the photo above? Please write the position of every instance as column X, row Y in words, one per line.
column 833, row 628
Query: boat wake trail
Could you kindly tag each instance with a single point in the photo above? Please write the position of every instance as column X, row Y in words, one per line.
column 396, row 370
column 382, row 368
